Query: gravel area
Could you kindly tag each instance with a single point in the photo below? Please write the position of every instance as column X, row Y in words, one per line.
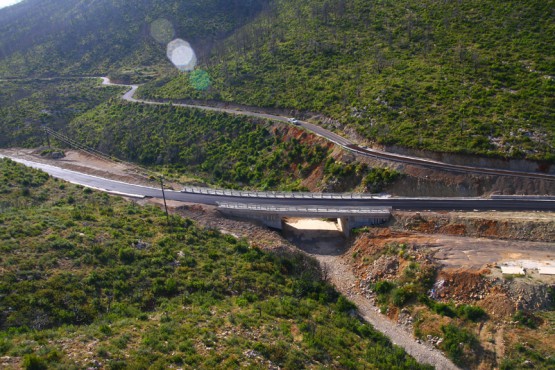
column 339, row 273
column 343, row 279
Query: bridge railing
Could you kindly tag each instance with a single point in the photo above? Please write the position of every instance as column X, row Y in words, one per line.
column 304, row 209
column 521, row 197
column 277, row 194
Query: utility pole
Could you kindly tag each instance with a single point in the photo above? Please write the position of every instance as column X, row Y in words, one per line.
column 44, row 118
column 47, row 135
column 164, row 196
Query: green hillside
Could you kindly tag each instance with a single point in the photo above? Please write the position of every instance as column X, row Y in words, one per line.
column 458, row 76
column 90, row 280
column 61, row 37
column 27, row 105
column 185, row 144
column 226, row 150
column 468, row 77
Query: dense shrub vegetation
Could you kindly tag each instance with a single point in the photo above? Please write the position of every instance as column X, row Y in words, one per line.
column 218, row 149
column 457, row 76
column 456, row 341
column 53, row 37
column 469, row 77
column 26, row 105
column 222, row 149
column 81, row 269
column 225, row 149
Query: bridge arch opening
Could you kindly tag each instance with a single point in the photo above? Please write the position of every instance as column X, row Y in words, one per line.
column 315, row 235
column 305, row 223
column 308, row 218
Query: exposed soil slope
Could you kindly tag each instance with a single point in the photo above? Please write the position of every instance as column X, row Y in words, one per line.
column 440, row 275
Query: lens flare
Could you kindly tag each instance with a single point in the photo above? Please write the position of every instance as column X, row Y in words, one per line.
column 162, row 30
column 199, row 79
column 182, row 55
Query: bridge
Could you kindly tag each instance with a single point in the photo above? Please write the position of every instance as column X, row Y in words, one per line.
column 272, row 215
column 326, row 200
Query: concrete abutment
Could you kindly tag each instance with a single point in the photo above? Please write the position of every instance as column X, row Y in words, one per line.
column 272, row 216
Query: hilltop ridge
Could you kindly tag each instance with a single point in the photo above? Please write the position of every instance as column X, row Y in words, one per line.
column 68, row 37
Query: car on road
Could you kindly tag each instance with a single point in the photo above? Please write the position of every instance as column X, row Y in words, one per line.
column 293, row 121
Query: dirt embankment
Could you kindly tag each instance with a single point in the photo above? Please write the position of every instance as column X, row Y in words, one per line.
column 442, row 273
column 465, row 273
column 316, row 179
column 421, row 181
column 79, row 161
column 531, row 226
column 416, row 181
column 426, row 182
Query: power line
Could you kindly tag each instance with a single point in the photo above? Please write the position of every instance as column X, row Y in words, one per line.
column 91, row 151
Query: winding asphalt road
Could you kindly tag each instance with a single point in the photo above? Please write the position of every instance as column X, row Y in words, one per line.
column 463, row 204
column 345, row 143
column 512, row 204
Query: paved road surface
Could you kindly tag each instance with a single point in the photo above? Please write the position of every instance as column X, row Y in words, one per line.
column 481, row 204
column 347, row 144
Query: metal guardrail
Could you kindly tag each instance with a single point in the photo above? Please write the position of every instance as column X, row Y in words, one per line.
column 276, row 194
column 520, row 197
column 305, row 209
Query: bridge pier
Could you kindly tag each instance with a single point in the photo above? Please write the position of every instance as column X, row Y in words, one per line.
column 271, row 220
column 344, row 226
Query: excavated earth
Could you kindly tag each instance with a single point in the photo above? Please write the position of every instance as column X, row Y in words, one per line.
column 525, row 226
column 468, row 268
column 467, row 251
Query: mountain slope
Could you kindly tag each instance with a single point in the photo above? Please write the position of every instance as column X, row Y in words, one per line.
column 471, row 77
column 27, row 105
column 52, row 37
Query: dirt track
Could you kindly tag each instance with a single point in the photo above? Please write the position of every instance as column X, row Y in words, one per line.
column 328, row 248
column 341, row 276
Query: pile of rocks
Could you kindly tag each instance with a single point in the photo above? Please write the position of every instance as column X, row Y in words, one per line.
column 528, row 295
column 460, row 286
column 405, row 319
column 385, row 267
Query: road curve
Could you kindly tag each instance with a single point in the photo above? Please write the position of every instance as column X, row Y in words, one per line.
column 415, row 204
column 345, row 143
